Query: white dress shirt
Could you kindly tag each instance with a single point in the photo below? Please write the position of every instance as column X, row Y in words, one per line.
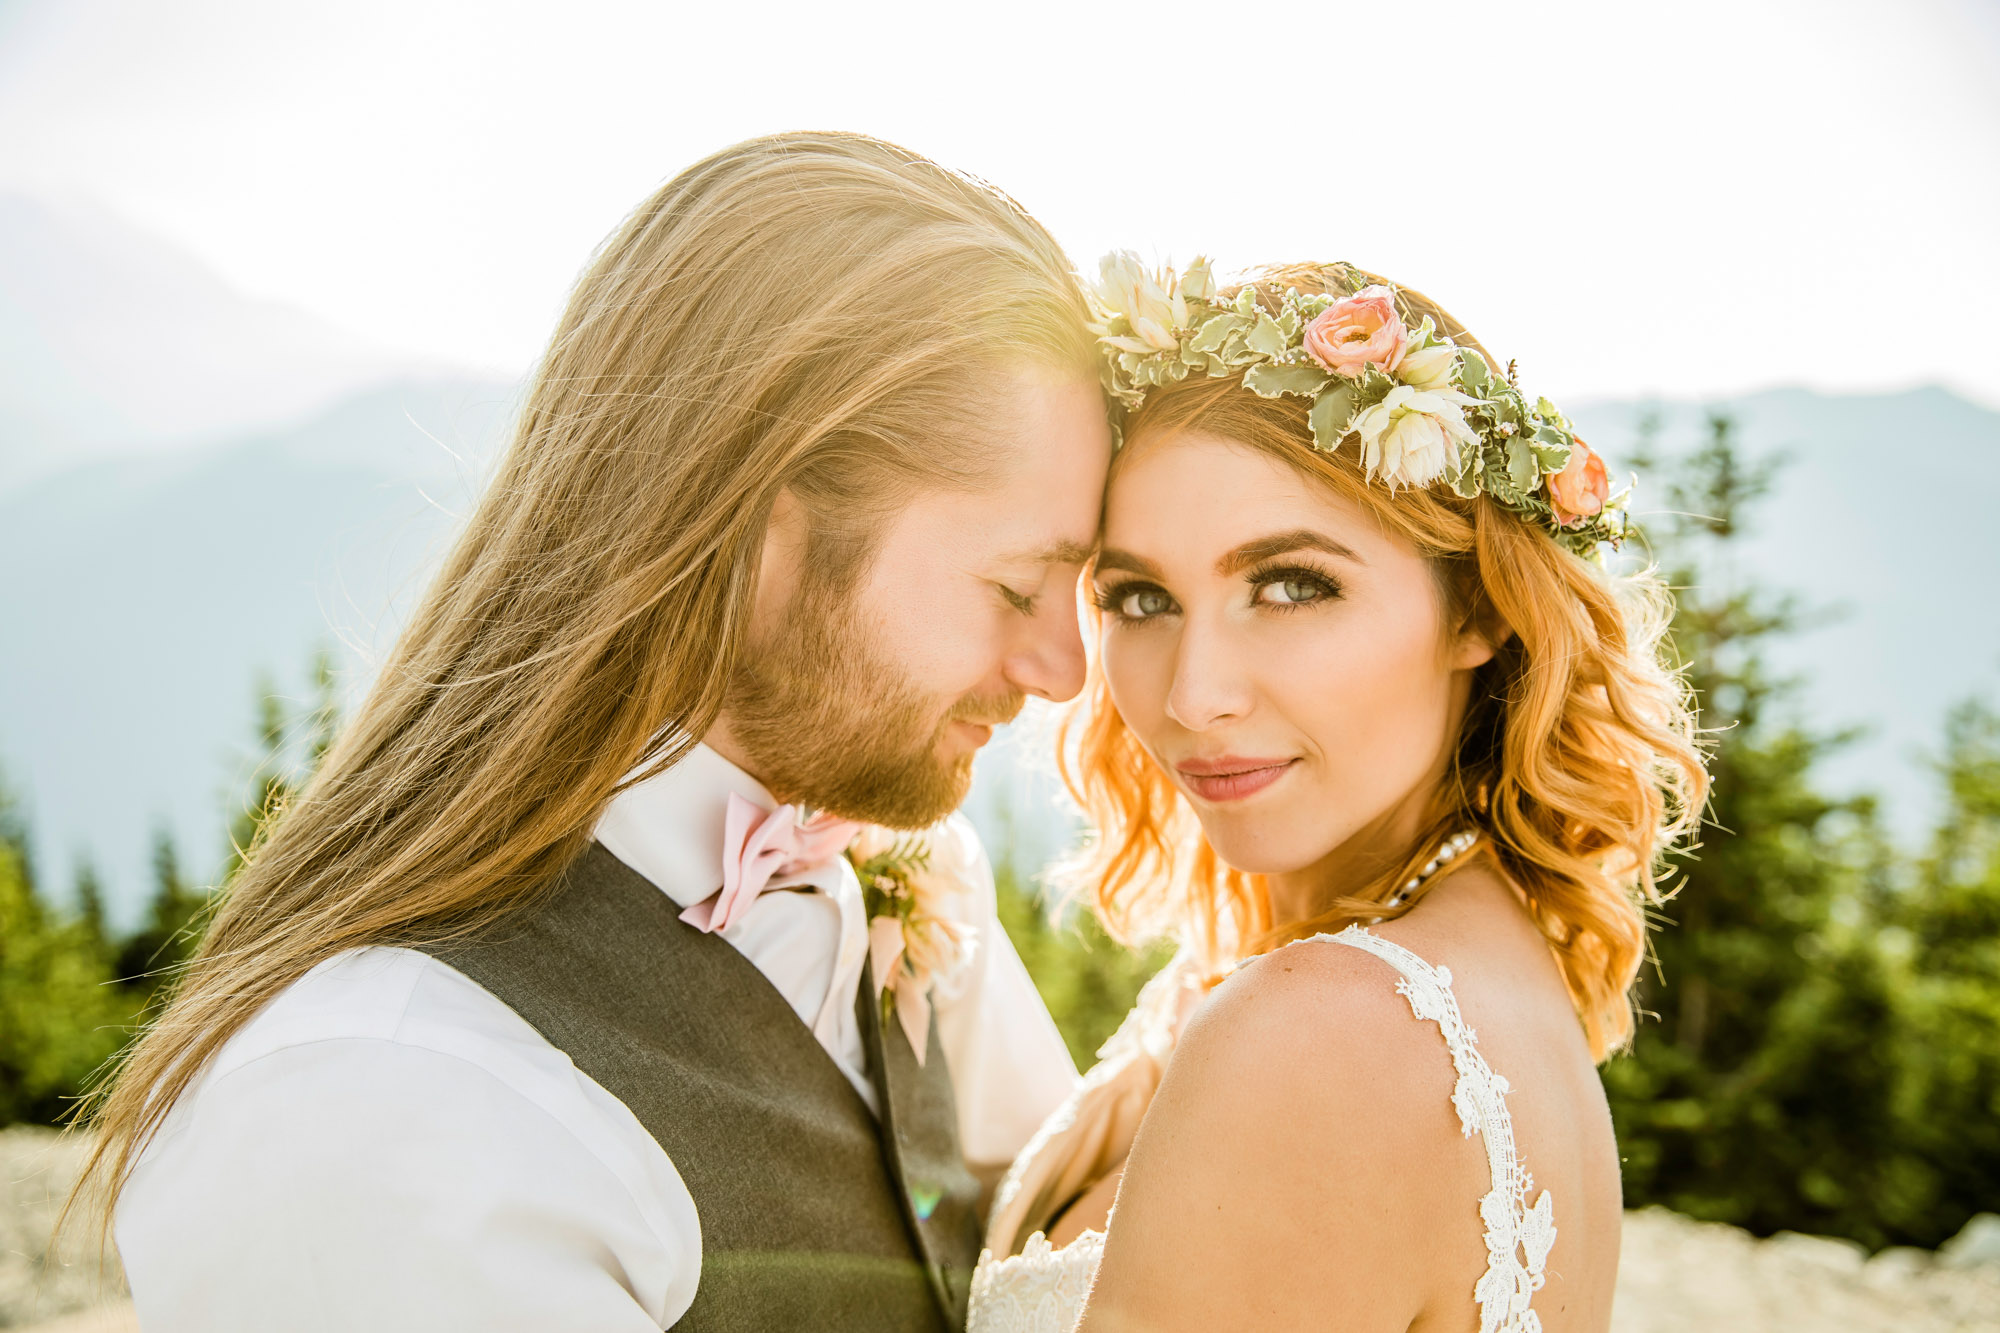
column 386, row 1146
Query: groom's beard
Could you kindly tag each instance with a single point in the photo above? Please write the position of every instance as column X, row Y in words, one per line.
column 828, row 723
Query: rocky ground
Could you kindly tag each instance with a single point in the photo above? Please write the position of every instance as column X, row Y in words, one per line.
column 1678, row 1276
column 36, row 1171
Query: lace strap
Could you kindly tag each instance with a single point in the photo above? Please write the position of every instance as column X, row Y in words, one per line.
column 1518, row 1236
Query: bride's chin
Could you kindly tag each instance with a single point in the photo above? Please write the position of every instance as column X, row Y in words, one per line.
column 1241, row 849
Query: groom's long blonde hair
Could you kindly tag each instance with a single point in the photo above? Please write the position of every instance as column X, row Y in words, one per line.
column 807, row 311
column 1576, row 759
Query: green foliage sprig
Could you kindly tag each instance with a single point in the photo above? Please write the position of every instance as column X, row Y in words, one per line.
column 888, row 879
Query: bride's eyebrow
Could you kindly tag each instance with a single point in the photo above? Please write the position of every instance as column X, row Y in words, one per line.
column 1282, row 543
column 1112, row 558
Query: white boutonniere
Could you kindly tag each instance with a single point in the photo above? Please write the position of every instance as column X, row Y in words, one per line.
column 914, row 935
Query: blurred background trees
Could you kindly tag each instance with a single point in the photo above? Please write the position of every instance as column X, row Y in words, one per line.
column 71, row 994
column 1820, row 1049
column 1087, row 979
column 59, row 1017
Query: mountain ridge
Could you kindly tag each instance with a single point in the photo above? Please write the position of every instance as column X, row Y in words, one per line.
column 113, row 341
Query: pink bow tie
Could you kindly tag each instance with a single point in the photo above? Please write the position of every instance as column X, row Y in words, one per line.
column 758, row 848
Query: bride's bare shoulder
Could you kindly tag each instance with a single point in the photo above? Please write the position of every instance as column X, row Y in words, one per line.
column 1317, row 1027
column 1302, row 1136
column 1303, row 1141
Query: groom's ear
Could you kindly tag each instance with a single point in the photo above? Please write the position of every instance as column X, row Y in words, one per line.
column 780, row 564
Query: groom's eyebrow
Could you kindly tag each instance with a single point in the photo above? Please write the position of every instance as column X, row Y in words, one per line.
column 1282, row 543
column 1060, row 552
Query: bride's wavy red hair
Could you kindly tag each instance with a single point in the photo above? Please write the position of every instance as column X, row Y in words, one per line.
column 1577, row 758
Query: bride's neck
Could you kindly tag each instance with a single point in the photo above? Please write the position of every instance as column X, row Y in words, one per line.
column 1371, row 852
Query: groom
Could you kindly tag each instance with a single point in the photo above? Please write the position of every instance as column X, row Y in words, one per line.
column 815, row 456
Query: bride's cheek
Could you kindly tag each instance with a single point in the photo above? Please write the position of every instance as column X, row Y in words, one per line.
column 1128, row 672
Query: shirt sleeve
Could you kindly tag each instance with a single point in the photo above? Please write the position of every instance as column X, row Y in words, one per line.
column 363, row 1183
column 1010, row 1068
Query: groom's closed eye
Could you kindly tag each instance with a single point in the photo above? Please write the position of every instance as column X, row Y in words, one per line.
column 1051, row 558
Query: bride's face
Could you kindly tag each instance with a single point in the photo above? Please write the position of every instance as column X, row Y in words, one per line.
column 1284, row 659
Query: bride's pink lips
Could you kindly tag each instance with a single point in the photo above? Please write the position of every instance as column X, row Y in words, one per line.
column 1230, row 778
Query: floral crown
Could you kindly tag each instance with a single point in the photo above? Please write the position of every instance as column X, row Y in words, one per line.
column 1420, row 407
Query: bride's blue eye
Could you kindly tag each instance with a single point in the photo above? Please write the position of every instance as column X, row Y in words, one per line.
column 1135, row 601
column 1293, row 587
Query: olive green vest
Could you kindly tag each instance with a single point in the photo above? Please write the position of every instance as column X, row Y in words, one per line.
column 814, row 1214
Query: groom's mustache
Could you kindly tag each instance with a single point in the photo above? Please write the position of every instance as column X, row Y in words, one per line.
column 988, row 712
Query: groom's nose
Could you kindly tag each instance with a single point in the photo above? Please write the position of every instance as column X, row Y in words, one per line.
column 1047, row 658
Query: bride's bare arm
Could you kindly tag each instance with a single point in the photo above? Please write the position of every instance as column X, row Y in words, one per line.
column 1297, row 1165
column 1090, row 1212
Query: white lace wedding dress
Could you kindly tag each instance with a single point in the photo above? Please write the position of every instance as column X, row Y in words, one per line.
column 1042, row 1288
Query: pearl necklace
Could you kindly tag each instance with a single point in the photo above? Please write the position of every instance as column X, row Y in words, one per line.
column 1457, row 845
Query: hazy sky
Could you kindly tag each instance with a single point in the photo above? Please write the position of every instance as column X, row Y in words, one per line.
column 1684, row 198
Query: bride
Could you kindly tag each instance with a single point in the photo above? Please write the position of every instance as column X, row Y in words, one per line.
column 1377, row 736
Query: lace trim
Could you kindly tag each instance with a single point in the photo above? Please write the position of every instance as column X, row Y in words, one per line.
column 1518, row 1236
column 1043, row 1289
column 1040, row 1290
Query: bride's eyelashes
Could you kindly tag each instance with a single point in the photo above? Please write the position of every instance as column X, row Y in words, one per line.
column 1291, row 587
column 1281, row 588
column 1134, row 600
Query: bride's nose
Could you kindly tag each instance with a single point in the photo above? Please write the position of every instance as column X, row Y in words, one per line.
column 1211, row 685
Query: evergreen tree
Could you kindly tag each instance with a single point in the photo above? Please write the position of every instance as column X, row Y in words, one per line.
column 1941, row 939
column 147, row 958
column 290, row 746
column 60, row 1016
column 70, row 995
column 92, row 929
column 1757, row 1092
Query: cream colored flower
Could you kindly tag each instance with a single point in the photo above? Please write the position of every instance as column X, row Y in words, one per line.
column 1408, row 438
column 1429, row 369
column 1198, row 283
column 1150, row 302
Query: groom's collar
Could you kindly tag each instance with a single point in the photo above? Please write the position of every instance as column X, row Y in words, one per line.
column 669, row 828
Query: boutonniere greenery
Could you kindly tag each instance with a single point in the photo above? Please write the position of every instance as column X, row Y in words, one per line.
column 912, row 938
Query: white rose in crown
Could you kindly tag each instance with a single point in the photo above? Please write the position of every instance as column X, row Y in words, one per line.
column 920, row 897
column 1410, row 437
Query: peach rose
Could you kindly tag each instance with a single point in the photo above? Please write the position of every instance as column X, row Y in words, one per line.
column 1349, row 336
column 1579, row 491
